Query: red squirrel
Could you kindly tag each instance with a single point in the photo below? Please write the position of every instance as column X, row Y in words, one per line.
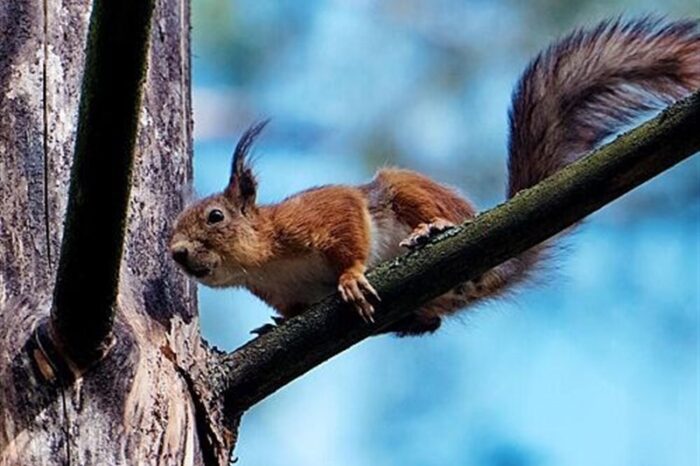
column 580, row 90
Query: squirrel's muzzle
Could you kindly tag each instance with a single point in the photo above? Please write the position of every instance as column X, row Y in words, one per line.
column 179, row 254
column 190, row 260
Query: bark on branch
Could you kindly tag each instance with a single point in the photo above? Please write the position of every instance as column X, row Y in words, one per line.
column 91, row 251
column 256, row 370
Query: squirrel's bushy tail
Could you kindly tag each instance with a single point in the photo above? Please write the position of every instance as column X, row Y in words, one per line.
column 592, row 83
column 582, row 89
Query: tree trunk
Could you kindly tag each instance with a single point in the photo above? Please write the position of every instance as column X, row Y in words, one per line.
column 136, row 406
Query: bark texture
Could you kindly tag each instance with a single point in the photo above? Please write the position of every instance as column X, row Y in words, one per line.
column 136, row 406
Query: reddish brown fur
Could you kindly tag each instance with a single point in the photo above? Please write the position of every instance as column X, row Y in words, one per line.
column 332, row 219
column 417, row 199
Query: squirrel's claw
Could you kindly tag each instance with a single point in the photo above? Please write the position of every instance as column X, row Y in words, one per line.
column 424, row 231
column 367, row 287
column 352, row 289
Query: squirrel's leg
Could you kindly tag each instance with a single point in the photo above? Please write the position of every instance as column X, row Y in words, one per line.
column 427, row 208
column 428, row 318
column 419, row 323
column 422, row 204
column 353, row 285
column 348, row 249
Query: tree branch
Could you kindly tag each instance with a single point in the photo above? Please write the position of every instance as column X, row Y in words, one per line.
column 88, row 273
column 262, row 366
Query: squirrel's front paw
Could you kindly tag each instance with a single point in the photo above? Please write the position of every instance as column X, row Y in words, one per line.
column 424, row 231
column 352, row 286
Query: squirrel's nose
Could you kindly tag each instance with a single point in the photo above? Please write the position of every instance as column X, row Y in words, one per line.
column 179, row 254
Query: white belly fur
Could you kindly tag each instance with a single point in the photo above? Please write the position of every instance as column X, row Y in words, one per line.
column 387, row 233
column 310, row 278
column 305, row 279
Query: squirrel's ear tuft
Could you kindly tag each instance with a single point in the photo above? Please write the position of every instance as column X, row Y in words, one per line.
column 242, row 185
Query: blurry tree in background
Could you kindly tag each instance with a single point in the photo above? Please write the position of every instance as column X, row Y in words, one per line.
column 598, row 365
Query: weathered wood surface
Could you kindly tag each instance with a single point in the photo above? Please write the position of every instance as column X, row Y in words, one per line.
column 134, row 407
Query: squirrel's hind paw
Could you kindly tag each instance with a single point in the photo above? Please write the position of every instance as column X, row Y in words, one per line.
column 424, row 231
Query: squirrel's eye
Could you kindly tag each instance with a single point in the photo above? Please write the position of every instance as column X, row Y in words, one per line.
column 215, row 216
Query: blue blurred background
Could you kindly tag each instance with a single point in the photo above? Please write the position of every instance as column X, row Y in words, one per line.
column 598, row 365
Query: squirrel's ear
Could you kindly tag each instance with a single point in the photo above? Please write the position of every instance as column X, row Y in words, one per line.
column 242, row 186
